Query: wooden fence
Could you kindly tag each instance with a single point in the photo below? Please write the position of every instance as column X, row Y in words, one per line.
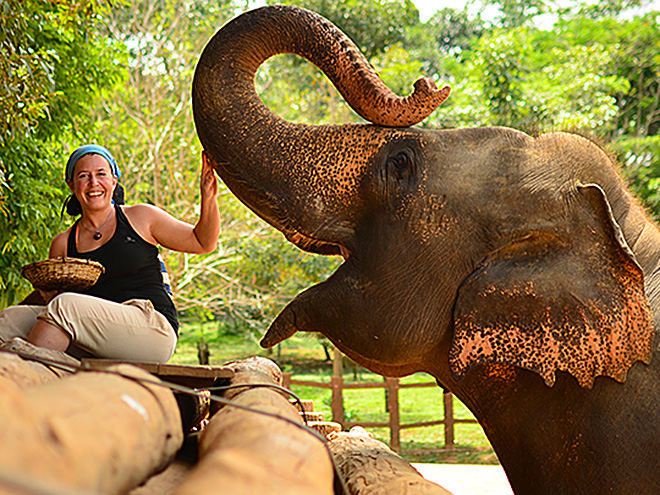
column 392, row 387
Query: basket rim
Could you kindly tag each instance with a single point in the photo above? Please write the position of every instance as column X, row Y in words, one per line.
column 42, row 274
column 65, row 260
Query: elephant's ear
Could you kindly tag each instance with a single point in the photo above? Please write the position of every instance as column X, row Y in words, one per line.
column 548, row 303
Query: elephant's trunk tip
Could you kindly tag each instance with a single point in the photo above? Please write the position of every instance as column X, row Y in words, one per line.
column 426, row 88
column 427, row 97
column 394, row 111
column 281, row 329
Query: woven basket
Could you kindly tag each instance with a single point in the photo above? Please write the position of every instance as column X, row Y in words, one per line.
column 63, row 273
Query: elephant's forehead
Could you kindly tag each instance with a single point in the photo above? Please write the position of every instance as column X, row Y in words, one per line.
column 329, row 165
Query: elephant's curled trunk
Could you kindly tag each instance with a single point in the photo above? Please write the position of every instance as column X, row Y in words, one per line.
column 252, row 38
column 300, row 177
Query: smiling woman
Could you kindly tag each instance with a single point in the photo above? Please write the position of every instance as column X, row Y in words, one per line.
column 128, row 313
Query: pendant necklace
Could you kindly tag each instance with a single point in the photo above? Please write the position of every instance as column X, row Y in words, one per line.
column 97, row 233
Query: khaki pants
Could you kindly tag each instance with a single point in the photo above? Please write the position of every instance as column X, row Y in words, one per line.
column 131, row 331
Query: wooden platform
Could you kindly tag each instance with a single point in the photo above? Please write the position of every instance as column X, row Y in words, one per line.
column 201, row 376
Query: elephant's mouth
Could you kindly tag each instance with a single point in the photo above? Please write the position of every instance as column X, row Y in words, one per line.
column 330, row 236
column 309, row 310
column 317, row 245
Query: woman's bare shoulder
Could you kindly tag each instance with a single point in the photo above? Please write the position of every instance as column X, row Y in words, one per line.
column 145, row 214
column 140, row 210
column 59, row 245
column 142, row 218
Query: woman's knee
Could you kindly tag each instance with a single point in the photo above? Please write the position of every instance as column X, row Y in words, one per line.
column 44, row 334
column 63, row 310
column 63, row 301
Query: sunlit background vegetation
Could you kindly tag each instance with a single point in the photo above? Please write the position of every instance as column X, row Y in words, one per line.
column 119, row 73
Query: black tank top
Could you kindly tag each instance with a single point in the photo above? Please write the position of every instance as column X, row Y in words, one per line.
column 132, row 269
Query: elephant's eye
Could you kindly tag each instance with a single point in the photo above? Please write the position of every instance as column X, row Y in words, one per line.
column 399, row 164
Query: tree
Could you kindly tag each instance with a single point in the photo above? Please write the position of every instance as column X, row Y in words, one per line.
column 637, row 136
column 373, row 25
column 609, row 8
column 454, row 31
column 633, row 46
column 502, row 71
column 637, row 60
column 517, row 13
column 54, row 68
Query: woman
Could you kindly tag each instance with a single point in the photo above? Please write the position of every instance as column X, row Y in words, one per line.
column 127, row 314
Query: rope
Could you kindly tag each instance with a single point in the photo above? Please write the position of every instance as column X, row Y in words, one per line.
column 217, row 398
column 265, row 385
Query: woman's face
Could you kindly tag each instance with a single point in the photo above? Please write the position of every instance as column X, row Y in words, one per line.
column 93, row 182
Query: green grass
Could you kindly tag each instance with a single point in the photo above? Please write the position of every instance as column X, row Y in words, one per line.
column 303, row 355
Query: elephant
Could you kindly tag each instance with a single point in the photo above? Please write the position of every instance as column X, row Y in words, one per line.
column 519, row 271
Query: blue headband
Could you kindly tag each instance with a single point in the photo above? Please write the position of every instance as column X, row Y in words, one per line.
column 86, row 150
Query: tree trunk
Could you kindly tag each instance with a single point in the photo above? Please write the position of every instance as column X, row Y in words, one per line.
column 243, row 452
column 369, row 467
column 24, row 373
column 90, row 432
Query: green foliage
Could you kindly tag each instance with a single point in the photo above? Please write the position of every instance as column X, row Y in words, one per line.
column 608, row 8
column 52, row 71
column 516, row 13
column 27, row 225
column 147, row 123
column 398, row 68
column 447, row 40
column 539, row 81
column 641, row 159
column 637, row 59
column 298, row 92
column 501, row 66
column 373, row 25
column 120, row 74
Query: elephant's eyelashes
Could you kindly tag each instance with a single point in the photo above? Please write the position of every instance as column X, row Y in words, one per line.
column 400, row 164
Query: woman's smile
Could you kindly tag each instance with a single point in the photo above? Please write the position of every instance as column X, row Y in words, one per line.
column 93, row 181
column 95, row 194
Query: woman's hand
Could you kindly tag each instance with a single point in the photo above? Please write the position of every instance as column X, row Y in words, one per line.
column 208, row 180
column 159, row 227
column 207, row 229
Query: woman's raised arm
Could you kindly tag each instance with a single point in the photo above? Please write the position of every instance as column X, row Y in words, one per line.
column 159, row 227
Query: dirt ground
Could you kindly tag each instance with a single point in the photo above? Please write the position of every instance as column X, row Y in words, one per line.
column 467, row 479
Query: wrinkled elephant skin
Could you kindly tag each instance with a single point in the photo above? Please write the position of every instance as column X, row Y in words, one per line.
column 518, row 271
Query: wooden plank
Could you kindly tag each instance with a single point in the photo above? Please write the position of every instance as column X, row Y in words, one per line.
column 310, row 383
column 202, row 376
column 201, row 371
column 448, row 403
column 420, row 424
column 337, row 405
column 393, row 407
column 419, row 385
